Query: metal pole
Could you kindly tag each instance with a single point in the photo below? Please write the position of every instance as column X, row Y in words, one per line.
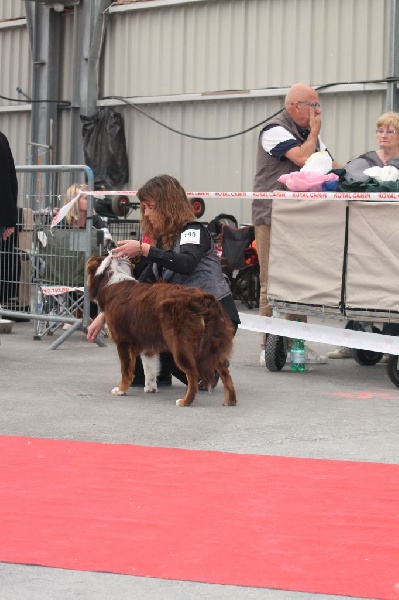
column 392, row 98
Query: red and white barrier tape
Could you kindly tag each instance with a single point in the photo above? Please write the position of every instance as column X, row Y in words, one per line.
column 374, row 196
column 55, row 290
column 388, row 196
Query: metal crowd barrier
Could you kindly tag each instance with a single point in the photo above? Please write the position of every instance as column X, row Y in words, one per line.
column 124, row 229
column 42, row 268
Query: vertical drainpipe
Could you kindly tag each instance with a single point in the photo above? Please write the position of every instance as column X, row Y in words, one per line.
column 88, row 36
column 44, row 34
column 75, row 150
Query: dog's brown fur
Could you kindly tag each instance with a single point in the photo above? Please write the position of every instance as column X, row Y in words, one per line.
column 152, row 318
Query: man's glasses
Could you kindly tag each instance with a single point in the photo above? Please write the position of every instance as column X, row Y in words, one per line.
column 381, row 131
column 313, row 104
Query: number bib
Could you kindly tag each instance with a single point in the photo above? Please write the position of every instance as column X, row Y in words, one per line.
column 190, row 236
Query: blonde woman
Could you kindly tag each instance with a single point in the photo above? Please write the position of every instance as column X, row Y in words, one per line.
column 387, row 137
column 77, row 215
column 58, row 246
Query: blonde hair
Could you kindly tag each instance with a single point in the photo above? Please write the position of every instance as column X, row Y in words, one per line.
column 73, row 214
column 388, row 118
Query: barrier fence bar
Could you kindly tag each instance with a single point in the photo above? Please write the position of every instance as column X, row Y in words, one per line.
column 24, row 260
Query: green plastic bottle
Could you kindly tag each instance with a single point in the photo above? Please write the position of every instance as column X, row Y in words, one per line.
column 298, row 355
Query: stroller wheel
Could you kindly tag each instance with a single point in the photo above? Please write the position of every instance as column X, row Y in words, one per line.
column 392, row 369
column 366, row 358
column 276, row 352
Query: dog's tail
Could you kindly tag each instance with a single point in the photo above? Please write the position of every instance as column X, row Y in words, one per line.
column 217, row 340
column 204, row 322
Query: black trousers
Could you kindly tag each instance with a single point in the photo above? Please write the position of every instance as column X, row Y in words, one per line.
column 167, row 369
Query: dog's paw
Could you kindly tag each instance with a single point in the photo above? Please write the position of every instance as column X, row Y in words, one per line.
column 181, row 402
column 117, row 392
column 151, row 387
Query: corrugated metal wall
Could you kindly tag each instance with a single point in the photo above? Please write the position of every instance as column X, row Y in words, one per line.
column 11, row 9
column 66, row 57
column 243, row 44
column 16, row 126
column 15, row 72
column 189, row 51
column 240, row 45
column 15, row 62
column 228, row 165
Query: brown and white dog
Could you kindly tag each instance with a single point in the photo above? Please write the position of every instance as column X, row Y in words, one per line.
column 147, row 319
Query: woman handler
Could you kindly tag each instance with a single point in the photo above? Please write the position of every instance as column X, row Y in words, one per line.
column 182, row 253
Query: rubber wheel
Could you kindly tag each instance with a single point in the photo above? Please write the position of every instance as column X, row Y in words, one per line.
column 392, row 369
column 276, row 352
column 366, row 358
column 198, row 205
column 120, row 206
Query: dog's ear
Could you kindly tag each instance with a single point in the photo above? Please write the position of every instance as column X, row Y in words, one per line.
column 92, row 264
column 108, row 246
column 93, row 282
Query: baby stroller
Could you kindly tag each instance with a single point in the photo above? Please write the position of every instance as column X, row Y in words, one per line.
column 238, row 257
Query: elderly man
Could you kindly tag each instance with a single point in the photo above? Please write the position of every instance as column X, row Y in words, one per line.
column 285, row 143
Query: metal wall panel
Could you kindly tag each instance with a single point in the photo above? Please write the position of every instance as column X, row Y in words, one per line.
column 240, row 45
column 11, row 9
column 62, row 155
column 16, row 126
column 66, row 57
column 243, row 44
column 229, row 164
column 348, row 41
column 220, row 165
column 204, row 47
column 15, row 54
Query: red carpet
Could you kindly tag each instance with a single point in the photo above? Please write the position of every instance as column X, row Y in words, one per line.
column 293, row 524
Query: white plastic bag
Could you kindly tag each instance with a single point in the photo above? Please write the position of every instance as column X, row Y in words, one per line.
column 318, row 162
column 387, row 173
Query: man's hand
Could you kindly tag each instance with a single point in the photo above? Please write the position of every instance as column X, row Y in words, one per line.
column 315, row 120
column 7, row 232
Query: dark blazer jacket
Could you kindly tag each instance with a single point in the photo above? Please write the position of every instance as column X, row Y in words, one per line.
column 8, row 185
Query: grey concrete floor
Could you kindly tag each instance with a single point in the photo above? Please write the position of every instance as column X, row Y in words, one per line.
column 335, row 411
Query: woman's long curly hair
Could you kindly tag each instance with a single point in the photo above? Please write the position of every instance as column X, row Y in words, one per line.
column 172, row 207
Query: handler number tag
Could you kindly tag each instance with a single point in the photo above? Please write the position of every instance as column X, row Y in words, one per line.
column 190, row 236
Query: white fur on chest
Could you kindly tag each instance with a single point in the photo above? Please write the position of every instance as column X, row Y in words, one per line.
column 119, row 269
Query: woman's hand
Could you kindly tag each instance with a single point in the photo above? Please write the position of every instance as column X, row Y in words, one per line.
column 132, row 248
column 95, row 327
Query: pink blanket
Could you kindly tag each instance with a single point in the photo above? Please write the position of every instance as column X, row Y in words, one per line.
column 306, row 181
